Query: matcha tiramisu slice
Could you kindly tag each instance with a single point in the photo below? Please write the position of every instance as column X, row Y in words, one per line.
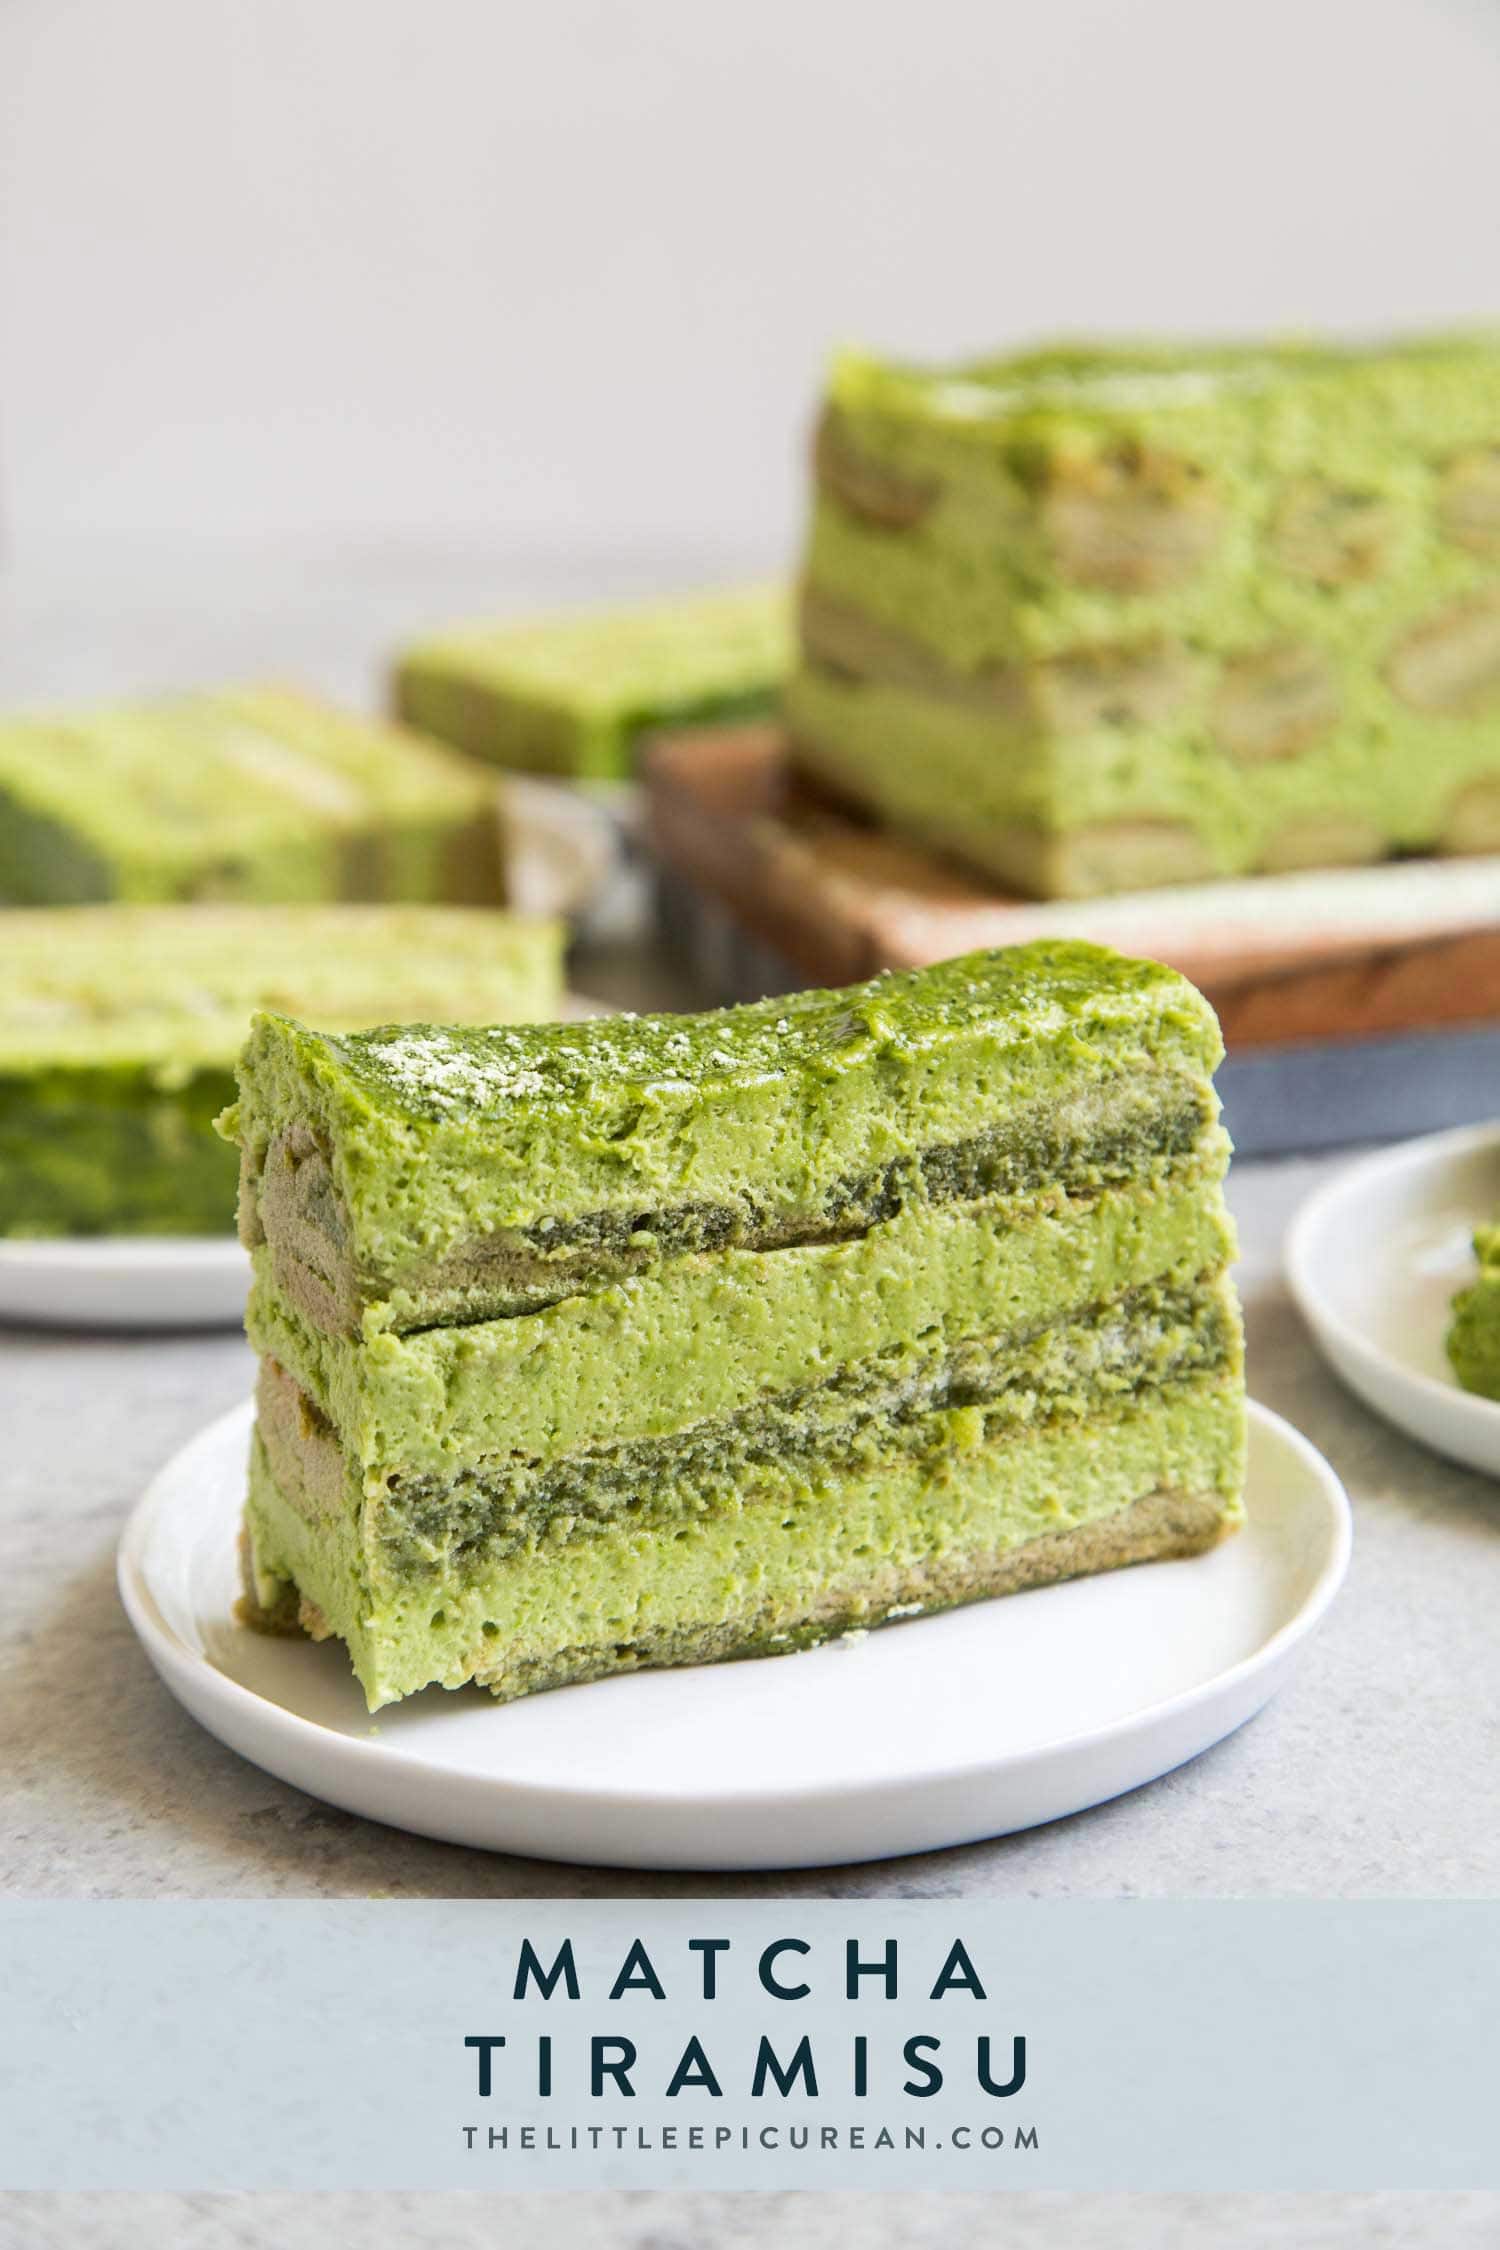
column 575, row 694
column 656, row 1340
column 119, row 1028
column 255, row 795
column 1117, row 616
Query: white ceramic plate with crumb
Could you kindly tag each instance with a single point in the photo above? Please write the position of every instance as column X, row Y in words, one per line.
column 928, row 1733
column 1373, row 1260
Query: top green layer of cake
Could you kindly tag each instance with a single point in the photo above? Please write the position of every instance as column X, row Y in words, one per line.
column 648, row 655
column 1130, row 376
column 1022, row 998
column 404, row 1149
column 139, row 788
column 172, row 989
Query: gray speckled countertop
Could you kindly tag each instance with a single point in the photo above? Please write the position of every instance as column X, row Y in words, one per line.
column 651, row 2221
column 1371, row 1773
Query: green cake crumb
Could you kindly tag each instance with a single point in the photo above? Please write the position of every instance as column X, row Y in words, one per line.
column 1474, row 1330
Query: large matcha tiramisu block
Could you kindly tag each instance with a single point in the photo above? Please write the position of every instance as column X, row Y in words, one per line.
column 119, row 1028
column 255, row 795
column 1474, row 1329
column 575, row 694
column 1101, row 618
column 649, row 1341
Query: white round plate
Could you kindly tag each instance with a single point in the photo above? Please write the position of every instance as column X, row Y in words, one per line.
column 1373, row 1260
column 125, row 1281
column 934, row 1732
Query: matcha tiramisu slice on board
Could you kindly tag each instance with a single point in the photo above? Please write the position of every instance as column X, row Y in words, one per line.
column 1102, row 618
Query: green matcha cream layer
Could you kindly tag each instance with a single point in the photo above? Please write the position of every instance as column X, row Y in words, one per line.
column 119, row 1028
column 653, row 1340
column 576, row 694
column 252, row 796
column 1102, row 618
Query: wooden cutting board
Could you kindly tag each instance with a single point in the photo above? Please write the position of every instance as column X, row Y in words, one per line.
column 1409, row 946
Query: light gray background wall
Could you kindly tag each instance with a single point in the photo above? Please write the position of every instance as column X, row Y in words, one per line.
column 564, row 271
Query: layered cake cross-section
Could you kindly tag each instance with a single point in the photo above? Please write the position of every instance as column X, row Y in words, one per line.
column 651, row 1341
column 575, row 694
column 1100, row 618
